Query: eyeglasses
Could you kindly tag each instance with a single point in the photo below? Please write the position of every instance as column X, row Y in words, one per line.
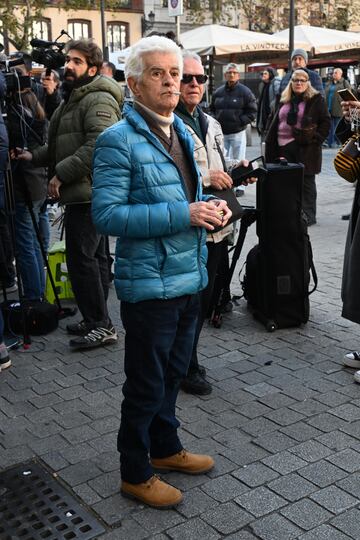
column 302, row 81
column 187, row 78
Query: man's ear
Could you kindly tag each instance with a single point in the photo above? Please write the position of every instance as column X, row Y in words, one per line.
column 92, row 71
column 133, row 84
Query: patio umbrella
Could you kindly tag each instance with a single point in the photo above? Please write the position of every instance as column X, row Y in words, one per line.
column 319, row 41
column 216, row 40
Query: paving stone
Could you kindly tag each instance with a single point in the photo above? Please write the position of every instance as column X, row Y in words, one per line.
column 351, row 484
column 262, row 389
column 347, row 459
column 245, row 454
column 352, row 429
column 284, row 416
column 309, row 407
column 255, row 475
column 348, row 523
column 274, row 441
column 196, row 502
column 224, row 488
column 332, row 399
column 277, row 401
column 87, row 494
column 79, row 473
column 155, row 522
column 284, row 462
column 232, row 437
column 115, row 509
column 260, row 501
column 252, row 409
column 347, row 412
column 241, row 535
column 130, row 530
column 226, row 518
column 259, row 426
column 203, row 428
column 292, row 487
column 336, row 440
column 230, row 419
column 193, row 529
column 324, row 532
column 310, row 451
column 327, row 422
column 275, row 527
column 334, row 499
column 222, row 466
column 306, row 514
column 322, row 473
column 301, row 431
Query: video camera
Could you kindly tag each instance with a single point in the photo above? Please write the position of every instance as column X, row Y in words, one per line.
column 48, row 53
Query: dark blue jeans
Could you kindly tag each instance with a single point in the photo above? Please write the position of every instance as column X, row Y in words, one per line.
column 158, row 344
column 332, row 139
column 28, row 254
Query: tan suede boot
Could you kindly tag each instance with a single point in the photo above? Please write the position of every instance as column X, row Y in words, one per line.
column 154, row 492
column 184, row 462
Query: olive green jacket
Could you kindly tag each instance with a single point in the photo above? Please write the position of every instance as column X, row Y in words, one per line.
column 74, row 128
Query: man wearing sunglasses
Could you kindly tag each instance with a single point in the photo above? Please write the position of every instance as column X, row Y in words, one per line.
column 209, row 155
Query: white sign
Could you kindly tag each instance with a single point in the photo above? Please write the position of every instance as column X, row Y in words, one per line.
column 175, row 8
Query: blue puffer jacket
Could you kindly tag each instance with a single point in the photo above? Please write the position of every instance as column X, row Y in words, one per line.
column 139, row 196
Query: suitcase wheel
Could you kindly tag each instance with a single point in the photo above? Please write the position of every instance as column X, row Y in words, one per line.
column 271, row 326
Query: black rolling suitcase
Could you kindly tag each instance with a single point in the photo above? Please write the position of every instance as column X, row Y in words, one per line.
column 277, row 280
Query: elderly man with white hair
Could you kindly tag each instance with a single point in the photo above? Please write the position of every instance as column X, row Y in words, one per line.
column 147, row 192
column 333, row 101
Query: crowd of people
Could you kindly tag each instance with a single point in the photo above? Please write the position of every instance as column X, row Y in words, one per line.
column 147, row 181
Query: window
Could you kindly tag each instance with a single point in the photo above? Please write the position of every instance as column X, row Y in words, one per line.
column 117, row 36
column 165, row 3
column 41, row 29
column 79, row 28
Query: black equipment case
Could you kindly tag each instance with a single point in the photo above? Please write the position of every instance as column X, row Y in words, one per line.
column 277, row 279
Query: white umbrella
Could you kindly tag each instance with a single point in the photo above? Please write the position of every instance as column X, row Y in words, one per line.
column 321, row 40
column 214, row 39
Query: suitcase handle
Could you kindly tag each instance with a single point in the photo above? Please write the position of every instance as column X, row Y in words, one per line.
column 281, row 161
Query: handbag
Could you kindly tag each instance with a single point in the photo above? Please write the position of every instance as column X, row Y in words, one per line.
column 347, row 160
column 229, row 196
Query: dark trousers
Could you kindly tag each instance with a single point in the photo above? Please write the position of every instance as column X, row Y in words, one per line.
column 217, row 256
column 158, row 343
column 291, row 153
column 87, row 264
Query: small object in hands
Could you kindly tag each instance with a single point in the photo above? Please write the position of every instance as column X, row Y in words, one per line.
column 347, row 95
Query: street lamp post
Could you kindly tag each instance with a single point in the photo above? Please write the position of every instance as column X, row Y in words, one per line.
column 103, row 31
column 291, row 30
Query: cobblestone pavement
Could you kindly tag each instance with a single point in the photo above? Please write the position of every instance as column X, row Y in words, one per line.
column 283, row 421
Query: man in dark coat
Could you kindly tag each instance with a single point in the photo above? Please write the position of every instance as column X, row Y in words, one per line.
column 234, row 107
column 333, row 100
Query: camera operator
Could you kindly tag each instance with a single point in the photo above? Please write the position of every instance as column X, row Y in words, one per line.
column 27, row 124
column 90, row 105
column 48, row 90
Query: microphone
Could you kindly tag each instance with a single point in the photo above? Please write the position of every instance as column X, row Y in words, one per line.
column 41, row 43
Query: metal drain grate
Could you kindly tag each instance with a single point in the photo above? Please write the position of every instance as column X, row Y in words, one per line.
column 34, row 506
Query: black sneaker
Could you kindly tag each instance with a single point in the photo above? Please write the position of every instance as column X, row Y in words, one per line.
column 5, row 362
column 95, row 338
column 77, row 329
column 195, row 383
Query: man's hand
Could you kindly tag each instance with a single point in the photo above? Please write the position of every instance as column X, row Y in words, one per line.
column 20, row 153
column 205, row 214
column 220, row 180
column 222, row 207
column 49, row 84
column 54, row 187
column 347, row 105
column 209, row 214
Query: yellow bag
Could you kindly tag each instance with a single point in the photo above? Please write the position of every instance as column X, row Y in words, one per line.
column 347, row 160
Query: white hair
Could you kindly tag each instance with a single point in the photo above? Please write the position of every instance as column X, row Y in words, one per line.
column 134, row 63
column 192, row 55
